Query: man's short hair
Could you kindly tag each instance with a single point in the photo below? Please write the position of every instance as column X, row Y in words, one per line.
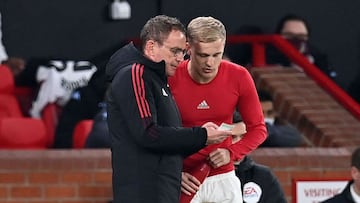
column 264, row 95
column 290, row 17
column 205, row 29
column 355, row 158
column 159, row 27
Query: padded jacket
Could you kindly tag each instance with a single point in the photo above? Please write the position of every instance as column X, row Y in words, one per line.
column 258, row 183
column 148, row 144
column 343, row 197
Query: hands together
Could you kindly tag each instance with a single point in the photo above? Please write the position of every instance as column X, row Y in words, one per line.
column 215, row 136
column 218, row 157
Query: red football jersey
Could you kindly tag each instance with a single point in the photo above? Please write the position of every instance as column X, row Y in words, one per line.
column 233, row 87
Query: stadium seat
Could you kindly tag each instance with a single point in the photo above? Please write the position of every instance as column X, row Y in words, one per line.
column 9, row 106
column 81, row 132
column 50, row 116
column 22, row 133
column 25, row 97
column 7, row 83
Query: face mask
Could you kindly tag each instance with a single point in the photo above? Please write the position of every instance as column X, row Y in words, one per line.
column 300, row 44
column 269, row 121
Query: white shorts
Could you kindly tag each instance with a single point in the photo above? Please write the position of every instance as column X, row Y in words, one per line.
column 221, row 188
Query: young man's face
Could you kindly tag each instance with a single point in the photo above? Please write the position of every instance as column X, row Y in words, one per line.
column 171, row 51
column 205, row 59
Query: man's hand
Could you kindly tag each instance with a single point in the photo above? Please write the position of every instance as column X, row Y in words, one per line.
column 219, row 157
column 214, row 135
column 189, row 184
column 238, row 131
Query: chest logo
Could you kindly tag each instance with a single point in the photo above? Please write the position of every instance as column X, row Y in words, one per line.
column 203, row 105
column 164, row 92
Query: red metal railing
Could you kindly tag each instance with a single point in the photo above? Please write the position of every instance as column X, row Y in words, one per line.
column 259, row 60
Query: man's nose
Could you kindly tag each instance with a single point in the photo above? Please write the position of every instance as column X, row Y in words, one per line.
column 210, row 61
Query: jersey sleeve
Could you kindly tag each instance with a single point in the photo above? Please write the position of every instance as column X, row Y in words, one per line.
column 251, row 112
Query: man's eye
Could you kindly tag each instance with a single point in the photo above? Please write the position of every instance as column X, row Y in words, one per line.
column 174, row 51
column 270, row 112
column 178, row 51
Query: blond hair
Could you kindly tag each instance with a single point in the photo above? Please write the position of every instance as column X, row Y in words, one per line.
column 205, row 29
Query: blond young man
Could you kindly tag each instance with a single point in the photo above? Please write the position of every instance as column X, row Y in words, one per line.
column 207, row 88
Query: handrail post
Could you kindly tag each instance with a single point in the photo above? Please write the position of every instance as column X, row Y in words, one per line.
column 258, row 54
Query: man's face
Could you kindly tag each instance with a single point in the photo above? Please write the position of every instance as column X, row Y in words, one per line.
column 205, row 60
column 295, row 29
column 268, row 111
column 296, row 33
column 171, row 51
column 355, row 174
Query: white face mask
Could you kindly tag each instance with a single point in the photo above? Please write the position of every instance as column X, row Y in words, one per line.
column 269, row 121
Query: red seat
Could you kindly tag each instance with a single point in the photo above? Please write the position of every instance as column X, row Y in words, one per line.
column 25, row 97
column 81, row 132
column 50, row 116
column 9, row 106
column 22, row 133
column 7, row 83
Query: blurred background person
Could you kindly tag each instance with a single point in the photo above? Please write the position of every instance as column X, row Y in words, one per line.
column 3, row 54
column 258, row 183
column 296, row 30
column 16, row 64
column 354, row 88
column 280, row 132
column 351, row 193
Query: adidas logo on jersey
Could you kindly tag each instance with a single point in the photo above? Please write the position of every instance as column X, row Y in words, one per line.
column 203, row 105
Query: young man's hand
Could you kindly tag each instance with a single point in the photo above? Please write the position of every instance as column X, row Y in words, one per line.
column 238, row 131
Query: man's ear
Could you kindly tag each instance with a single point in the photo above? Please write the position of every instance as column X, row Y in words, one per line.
column 149, row 48
column 188, row 51
column 355, row 174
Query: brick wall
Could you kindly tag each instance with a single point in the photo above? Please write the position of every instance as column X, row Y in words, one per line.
column 299, row 100
column 84, row 176
column 305, row 163
column 51, row 176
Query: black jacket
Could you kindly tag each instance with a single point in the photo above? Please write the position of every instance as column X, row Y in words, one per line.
column 148, row 143
column 274, row 56
column 343, row 197
column 354, row 88
column 258, row 183
column 99, row 134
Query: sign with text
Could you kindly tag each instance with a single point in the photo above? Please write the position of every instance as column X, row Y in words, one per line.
column 316, row 190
